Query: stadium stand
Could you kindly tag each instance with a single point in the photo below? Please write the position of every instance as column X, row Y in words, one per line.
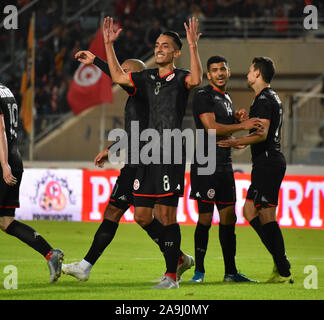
column 64, row 27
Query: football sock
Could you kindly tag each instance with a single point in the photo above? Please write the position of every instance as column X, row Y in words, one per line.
column 172, row 240
column 102, row 238
column 85, row 265
column 273, row 236
column 156, row 232
column 29, row 236
column 257, row 226
column 227, row 240
column 201, row 242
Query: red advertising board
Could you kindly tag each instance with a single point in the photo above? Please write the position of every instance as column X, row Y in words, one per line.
column 301, row 200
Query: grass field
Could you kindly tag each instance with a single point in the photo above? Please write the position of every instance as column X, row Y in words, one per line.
column 126, row 268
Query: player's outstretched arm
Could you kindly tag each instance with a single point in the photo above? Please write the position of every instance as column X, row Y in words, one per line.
column 6, row 169
column 256, row 137
column 195, row 78
column 110, row 35
column 210, row 122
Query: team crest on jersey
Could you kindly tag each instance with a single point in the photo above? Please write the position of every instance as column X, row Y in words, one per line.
column 170, row 77
column 136, row 184
column 211, row 193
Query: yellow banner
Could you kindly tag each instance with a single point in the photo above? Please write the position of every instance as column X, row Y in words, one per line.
column 28, row 80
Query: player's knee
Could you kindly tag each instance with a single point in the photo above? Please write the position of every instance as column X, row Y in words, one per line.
column 142, row 220
column 227, row 216
column 205, row 219
column 5, row 222
column 249, row 211
column 113, row 214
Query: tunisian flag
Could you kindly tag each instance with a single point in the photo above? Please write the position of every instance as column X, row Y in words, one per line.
column 90, row 86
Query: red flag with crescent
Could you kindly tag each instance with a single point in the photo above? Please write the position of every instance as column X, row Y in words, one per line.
column 90, row 86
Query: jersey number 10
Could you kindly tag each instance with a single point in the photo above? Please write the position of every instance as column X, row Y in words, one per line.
column 13, row 111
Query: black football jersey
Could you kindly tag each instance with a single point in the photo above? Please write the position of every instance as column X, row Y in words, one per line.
column 10, row 113
column 167, row 98
column 136, row 109
column 210, row 100
column 267, row 105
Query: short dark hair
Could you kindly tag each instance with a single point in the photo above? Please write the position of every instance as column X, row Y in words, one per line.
column 175, row 36
column 266, row 67
column 216, row 59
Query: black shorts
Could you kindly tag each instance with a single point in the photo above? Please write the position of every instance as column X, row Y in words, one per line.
column 265, row 185
column 157, row 181
column 9, row 196
column 121, row 195
column 218, row 188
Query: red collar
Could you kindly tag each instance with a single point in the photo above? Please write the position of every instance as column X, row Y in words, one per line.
column 222, row 92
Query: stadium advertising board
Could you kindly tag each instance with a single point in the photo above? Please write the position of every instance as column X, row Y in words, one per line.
column 301, row 200
column 51, row 195
column 82, row 195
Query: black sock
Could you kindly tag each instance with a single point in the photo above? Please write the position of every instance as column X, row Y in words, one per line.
column 274, row 237
column 172, row 240
column 29, row 236
column 201, row 242
column 257, row 226
column 156, row 232
column 102, row 238
column 227, row 240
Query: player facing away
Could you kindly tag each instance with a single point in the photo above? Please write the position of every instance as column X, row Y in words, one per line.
column 268, row 166
column 121, row 197
column 213, row 109
column 11, row 171
column 166, row 89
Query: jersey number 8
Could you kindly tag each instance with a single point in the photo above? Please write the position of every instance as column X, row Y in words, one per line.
column 166, row 183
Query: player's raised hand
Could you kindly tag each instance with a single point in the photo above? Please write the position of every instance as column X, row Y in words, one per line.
column 8, row 176
column 85, row 57
column 192, row 31
column 109, row 34
column 101, row 158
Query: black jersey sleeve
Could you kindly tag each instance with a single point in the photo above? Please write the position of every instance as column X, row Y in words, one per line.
column 182, row 77
column 263, row 109
column 202, row 102
column 102, row 65
column 138, row 79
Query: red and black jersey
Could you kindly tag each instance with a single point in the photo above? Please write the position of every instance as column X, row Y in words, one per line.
column 210, row 100
column 267, row 105
column 10, row 113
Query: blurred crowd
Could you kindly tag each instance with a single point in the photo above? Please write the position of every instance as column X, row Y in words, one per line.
column 59, row 38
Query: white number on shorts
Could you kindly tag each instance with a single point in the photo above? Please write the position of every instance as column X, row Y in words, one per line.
column 166, row 183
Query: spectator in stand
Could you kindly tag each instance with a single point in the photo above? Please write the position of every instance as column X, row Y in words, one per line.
column 280, row 22
column 226, row 7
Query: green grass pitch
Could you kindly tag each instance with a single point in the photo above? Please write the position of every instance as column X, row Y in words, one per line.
column 126, row 268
